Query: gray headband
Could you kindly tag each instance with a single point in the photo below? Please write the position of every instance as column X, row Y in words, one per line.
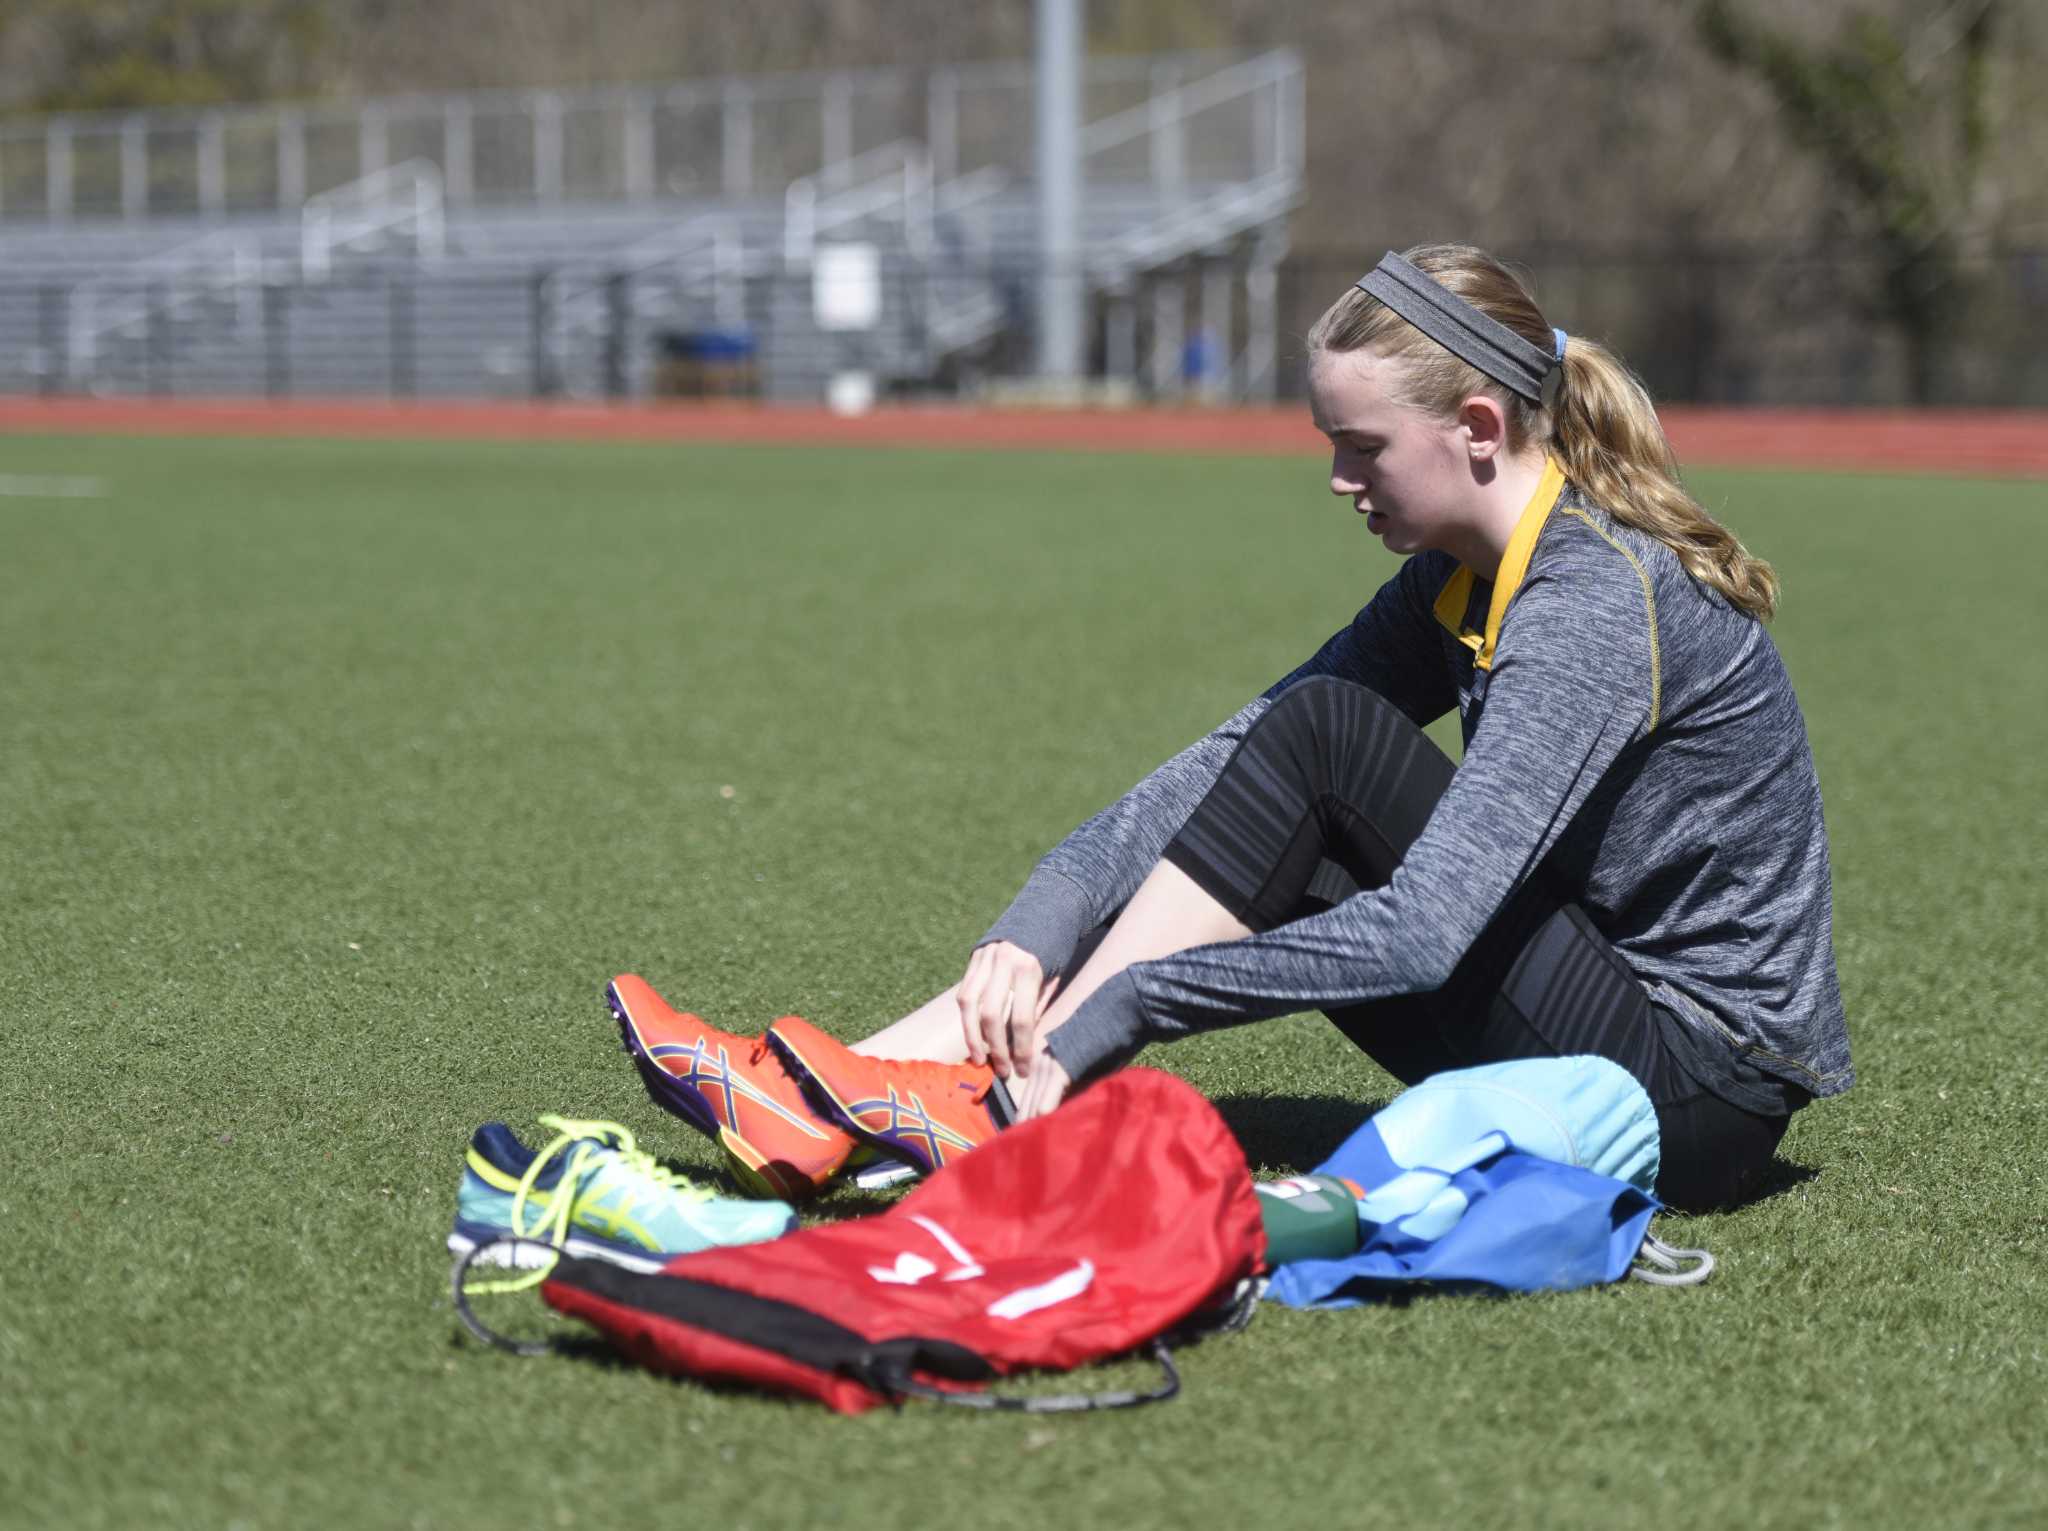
column 1460, row 328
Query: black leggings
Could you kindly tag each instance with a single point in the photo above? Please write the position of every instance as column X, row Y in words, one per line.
column 1324, row 797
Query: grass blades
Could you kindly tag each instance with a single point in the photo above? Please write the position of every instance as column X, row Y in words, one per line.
column 338, row 778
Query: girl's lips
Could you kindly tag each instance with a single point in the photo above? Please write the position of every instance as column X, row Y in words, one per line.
column 1375, row 520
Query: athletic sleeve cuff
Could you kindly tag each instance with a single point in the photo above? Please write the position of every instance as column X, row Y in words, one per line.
column 1109, row 1027
column 1048, row 919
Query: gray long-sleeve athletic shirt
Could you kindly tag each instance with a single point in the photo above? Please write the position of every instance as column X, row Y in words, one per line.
column 1622, row 722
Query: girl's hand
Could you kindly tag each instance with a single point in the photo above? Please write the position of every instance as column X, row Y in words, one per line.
column 1046, row 1088
column 1001, row 998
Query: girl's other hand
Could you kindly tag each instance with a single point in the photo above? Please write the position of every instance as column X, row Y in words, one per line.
column 1046, row 1088
column 1001, row 998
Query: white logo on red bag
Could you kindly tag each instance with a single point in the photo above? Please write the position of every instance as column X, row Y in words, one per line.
column 910, row 1269
column 1029, row 1299
column 913, row 1269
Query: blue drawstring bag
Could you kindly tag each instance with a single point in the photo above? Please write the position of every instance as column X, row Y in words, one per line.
column 1523, row 1176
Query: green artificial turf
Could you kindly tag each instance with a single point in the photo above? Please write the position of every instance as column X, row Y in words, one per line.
column 337, row 779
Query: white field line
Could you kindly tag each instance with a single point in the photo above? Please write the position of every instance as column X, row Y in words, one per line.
column 30, row 486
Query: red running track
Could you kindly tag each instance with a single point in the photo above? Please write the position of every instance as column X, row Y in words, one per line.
column 1994, row 443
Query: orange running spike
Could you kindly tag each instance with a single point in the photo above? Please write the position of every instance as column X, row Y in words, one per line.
column 733, row 1088
column 927, row 1113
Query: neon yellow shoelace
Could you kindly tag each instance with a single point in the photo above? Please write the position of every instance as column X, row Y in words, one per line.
column 615, row 1145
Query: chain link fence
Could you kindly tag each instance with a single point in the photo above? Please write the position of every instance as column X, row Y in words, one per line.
column 1728, row 327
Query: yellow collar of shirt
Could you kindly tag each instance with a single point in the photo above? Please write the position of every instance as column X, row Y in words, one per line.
column 1455, row 599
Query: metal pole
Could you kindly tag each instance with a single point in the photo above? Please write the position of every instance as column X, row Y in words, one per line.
column 156, row 343
column 1293, row 123
column 1216, row 284
column 50, row 338
column 543, row 372
column 134, row 169
column 1058, row 99
column 835, row 121
column 78, row 339
column 736, row 140
column 277, row 366
column 291, row 161
column 1261, row 318
column 636, row 150
column 57, row 170
column 458, row 153
column 547, row 147
column 1267, row 109
column 1166, row 134
column 404, row 380
column 373, row 143
column 615, row 335
column 1120, row 341
column 1169, row 331
column 213, row 178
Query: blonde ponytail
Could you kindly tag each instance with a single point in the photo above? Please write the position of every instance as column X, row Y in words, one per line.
column 1605, row 431
column 1600, row 424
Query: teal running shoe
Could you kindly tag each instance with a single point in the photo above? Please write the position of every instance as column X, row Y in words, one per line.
column 593, row 1193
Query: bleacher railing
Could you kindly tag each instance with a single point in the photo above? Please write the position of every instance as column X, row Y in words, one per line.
column 214, row 267
column 1192, row 163
column 731, row 138
column 402, row 203
column 892, row 182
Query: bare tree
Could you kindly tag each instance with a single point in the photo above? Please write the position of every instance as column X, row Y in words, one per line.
column 1902, row 120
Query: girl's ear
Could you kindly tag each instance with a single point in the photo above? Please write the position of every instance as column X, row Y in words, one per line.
column 1485, row 425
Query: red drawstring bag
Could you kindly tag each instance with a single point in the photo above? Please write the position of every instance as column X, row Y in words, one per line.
column 1069, row 1238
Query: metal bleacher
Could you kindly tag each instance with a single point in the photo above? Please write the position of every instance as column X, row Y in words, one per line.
column 553, row 243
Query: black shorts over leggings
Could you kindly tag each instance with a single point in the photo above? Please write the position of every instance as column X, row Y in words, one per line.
column 1324, row 796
